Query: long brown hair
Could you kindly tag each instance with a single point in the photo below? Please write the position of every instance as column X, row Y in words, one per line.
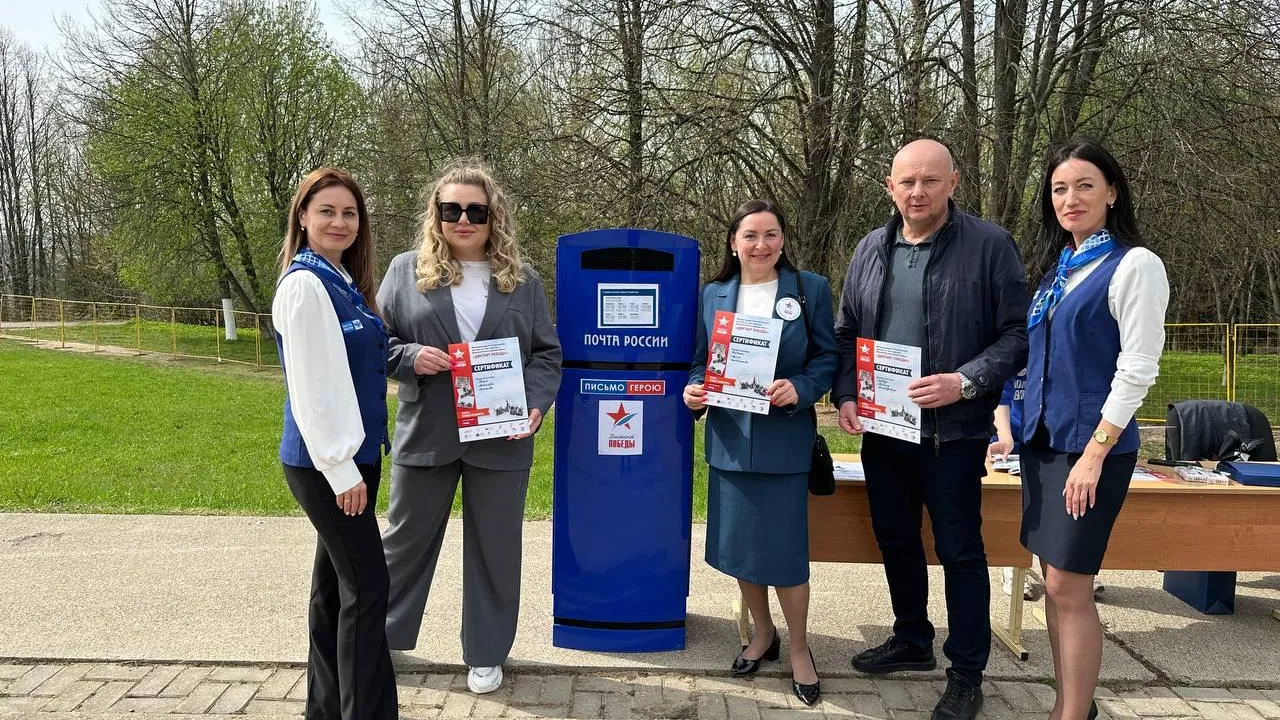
column 436, row 265
column 357, row 259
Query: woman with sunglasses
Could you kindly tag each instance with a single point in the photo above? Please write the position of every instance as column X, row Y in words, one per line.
column 465, row 282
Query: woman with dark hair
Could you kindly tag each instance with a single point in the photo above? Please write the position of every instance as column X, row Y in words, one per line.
column 757, row 496
column 1096, row 332
column 333, row 347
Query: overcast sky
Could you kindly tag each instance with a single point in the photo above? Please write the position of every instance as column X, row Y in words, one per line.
column 34, row 22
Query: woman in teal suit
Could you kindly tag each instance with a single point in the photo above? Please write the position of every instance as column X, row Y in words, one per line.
column 757, row 498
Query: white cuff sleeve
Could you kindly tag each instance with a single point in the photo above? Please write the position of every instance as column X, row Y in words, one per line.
column 322, row 393
column 1138, row 297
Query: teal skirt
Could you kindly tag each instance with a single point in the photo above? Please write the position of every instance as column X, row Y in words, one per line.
column 758, row 526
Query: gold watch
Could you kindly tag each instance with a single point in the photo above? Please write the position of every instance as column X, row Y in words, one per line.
column 1102, row 437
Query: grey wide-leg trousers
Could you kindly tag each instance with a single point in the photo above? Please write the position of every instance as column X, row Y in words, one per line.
column 492, row 529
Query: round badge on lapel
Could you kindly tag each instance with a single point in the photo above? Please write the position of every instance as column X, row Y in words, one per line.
column 788, row 308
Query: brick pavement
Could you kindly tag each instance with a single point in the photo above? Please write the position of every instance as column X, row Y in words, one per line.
column 89, row 690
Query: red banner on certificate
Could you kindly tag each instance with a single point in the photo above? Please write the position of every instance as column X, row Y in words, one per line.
column 488, row 389
column 741, row 359
column 884, row 371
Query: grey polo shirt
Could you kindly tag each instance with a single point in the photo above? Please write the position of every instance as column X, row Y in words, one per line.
column 902, row 306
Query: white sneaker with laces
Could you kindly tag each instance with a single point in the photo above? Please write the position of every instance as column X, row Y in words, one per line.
column 483, row 680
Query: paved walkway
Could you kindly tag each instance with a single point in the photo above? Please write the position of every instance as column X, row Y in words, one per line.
column 165, row 616
column 103, row 690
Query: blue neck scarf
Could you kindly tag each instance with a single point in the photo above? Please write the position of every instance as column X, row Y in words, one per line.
column 312, row 259
column 1096, row 246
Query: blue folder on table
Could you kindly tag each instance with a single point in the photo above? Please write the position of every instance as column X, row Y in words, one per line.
column 1252, row 473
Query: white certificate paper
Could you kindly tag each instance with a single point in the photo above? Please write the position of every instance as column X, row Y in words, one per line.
column 741, row 360
column 488, row 389
column 884, row 371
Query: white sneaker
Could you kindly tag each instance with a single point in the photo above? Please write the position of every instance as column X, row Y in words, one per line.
column 1026, row 584
column 483, row 680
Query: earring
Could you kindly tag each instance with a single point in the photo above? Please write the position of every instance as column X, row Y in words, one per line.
column 304, row 228
column 735, row 253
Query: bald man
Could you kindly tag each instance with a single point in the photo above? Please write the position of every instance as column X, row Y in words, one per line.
column 955, row 286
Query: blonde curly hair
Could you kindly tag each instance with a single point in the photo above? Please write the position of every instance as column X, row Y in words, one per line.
column 436, row 265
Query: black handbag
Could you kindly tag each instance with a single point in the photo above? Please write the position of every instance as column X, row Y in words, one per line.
column 822, row 469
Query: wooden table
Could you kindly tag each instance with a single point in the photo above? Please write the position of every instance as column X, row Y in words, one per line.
column 1164, row 525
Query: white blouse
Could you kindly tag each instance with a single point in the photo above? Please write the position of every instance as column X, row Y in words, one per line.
column 1138, row 296
column 758, row 299
column 471, row 297
column 322, row 393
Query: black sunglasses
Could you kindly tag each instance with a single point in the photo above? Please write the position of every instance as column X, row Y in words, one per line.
column 451, row 212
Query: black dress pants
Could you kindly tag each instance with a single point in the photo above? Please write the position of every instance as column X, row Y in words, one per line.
column 902, row 478
column 349, row 672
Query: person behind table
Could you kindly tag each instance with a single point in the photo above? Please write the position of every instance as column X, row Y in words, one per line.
column 758, row 491
column 333, row 348
column 955, row 286
column 467, row 281
column 1007, row 441
column 1096, row 332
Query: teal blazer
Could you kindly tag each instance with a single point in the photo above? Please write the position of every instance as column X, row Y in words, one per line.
column 780, row 442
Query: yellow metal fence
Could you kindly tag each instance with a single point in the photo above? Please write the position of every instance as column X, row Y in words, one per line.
column 1211, row 361
column 139, row 329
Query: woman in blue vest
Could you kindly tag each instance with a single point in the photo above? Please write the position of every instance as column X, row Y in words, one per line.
column 757, row 496
column 334, row 351
column 1096, row 332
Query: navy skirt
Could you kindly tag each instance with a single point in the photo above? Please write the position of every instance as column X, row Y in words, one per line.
column 1047, row 530
column 758, row 526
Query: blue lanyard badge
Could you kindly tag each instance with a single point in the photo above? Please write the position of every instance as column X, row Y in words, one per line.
column 311, row 259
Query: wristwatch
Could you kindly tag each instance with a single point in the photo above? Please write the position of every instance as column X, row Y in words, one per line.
column 968, row 390
column 1102, row 437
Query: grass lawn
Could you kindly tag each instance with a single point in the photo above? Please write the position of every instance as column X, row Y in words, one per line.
column 84, row 433
column 1183, row 375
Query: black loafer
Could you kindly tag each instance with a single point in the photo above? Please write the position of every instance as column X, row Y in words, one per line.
column 808, row 694
column 894, row 655
column 742, row 667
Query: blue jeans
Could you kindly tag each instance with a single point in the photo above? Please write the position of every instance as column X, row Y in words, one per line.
column 902, row 478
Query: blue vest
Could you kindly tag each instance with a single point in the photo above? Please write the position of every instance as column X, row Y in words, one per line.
column 1071, row 361
column 366, row 343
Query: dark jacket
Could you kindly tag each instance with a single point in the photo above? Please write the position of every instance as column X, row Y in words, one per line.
column 975, row 299
column 777, row 443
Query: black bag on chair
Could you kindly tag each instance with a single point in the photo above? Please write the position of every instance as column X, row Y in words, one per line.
column 822, row 469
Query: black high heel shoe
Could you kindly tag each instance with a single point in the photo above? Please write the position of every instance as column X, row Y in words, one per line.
column 1093, row 710
column 808, row 694
column 742, row 667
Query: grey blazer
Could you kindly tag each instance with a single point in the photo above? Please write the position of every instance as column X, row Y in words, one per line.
column 426, row 433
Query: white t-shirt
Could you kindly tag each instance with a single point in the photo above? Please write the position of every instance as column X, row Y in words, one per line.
column 758, row 299
column 471, row 297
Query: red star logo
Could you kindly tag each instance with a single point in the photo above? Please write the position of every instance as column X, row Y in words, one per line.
column 621, row 417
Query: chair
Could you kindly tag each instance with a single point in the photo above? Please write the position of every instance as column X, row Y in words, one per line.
column 1210, row 430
